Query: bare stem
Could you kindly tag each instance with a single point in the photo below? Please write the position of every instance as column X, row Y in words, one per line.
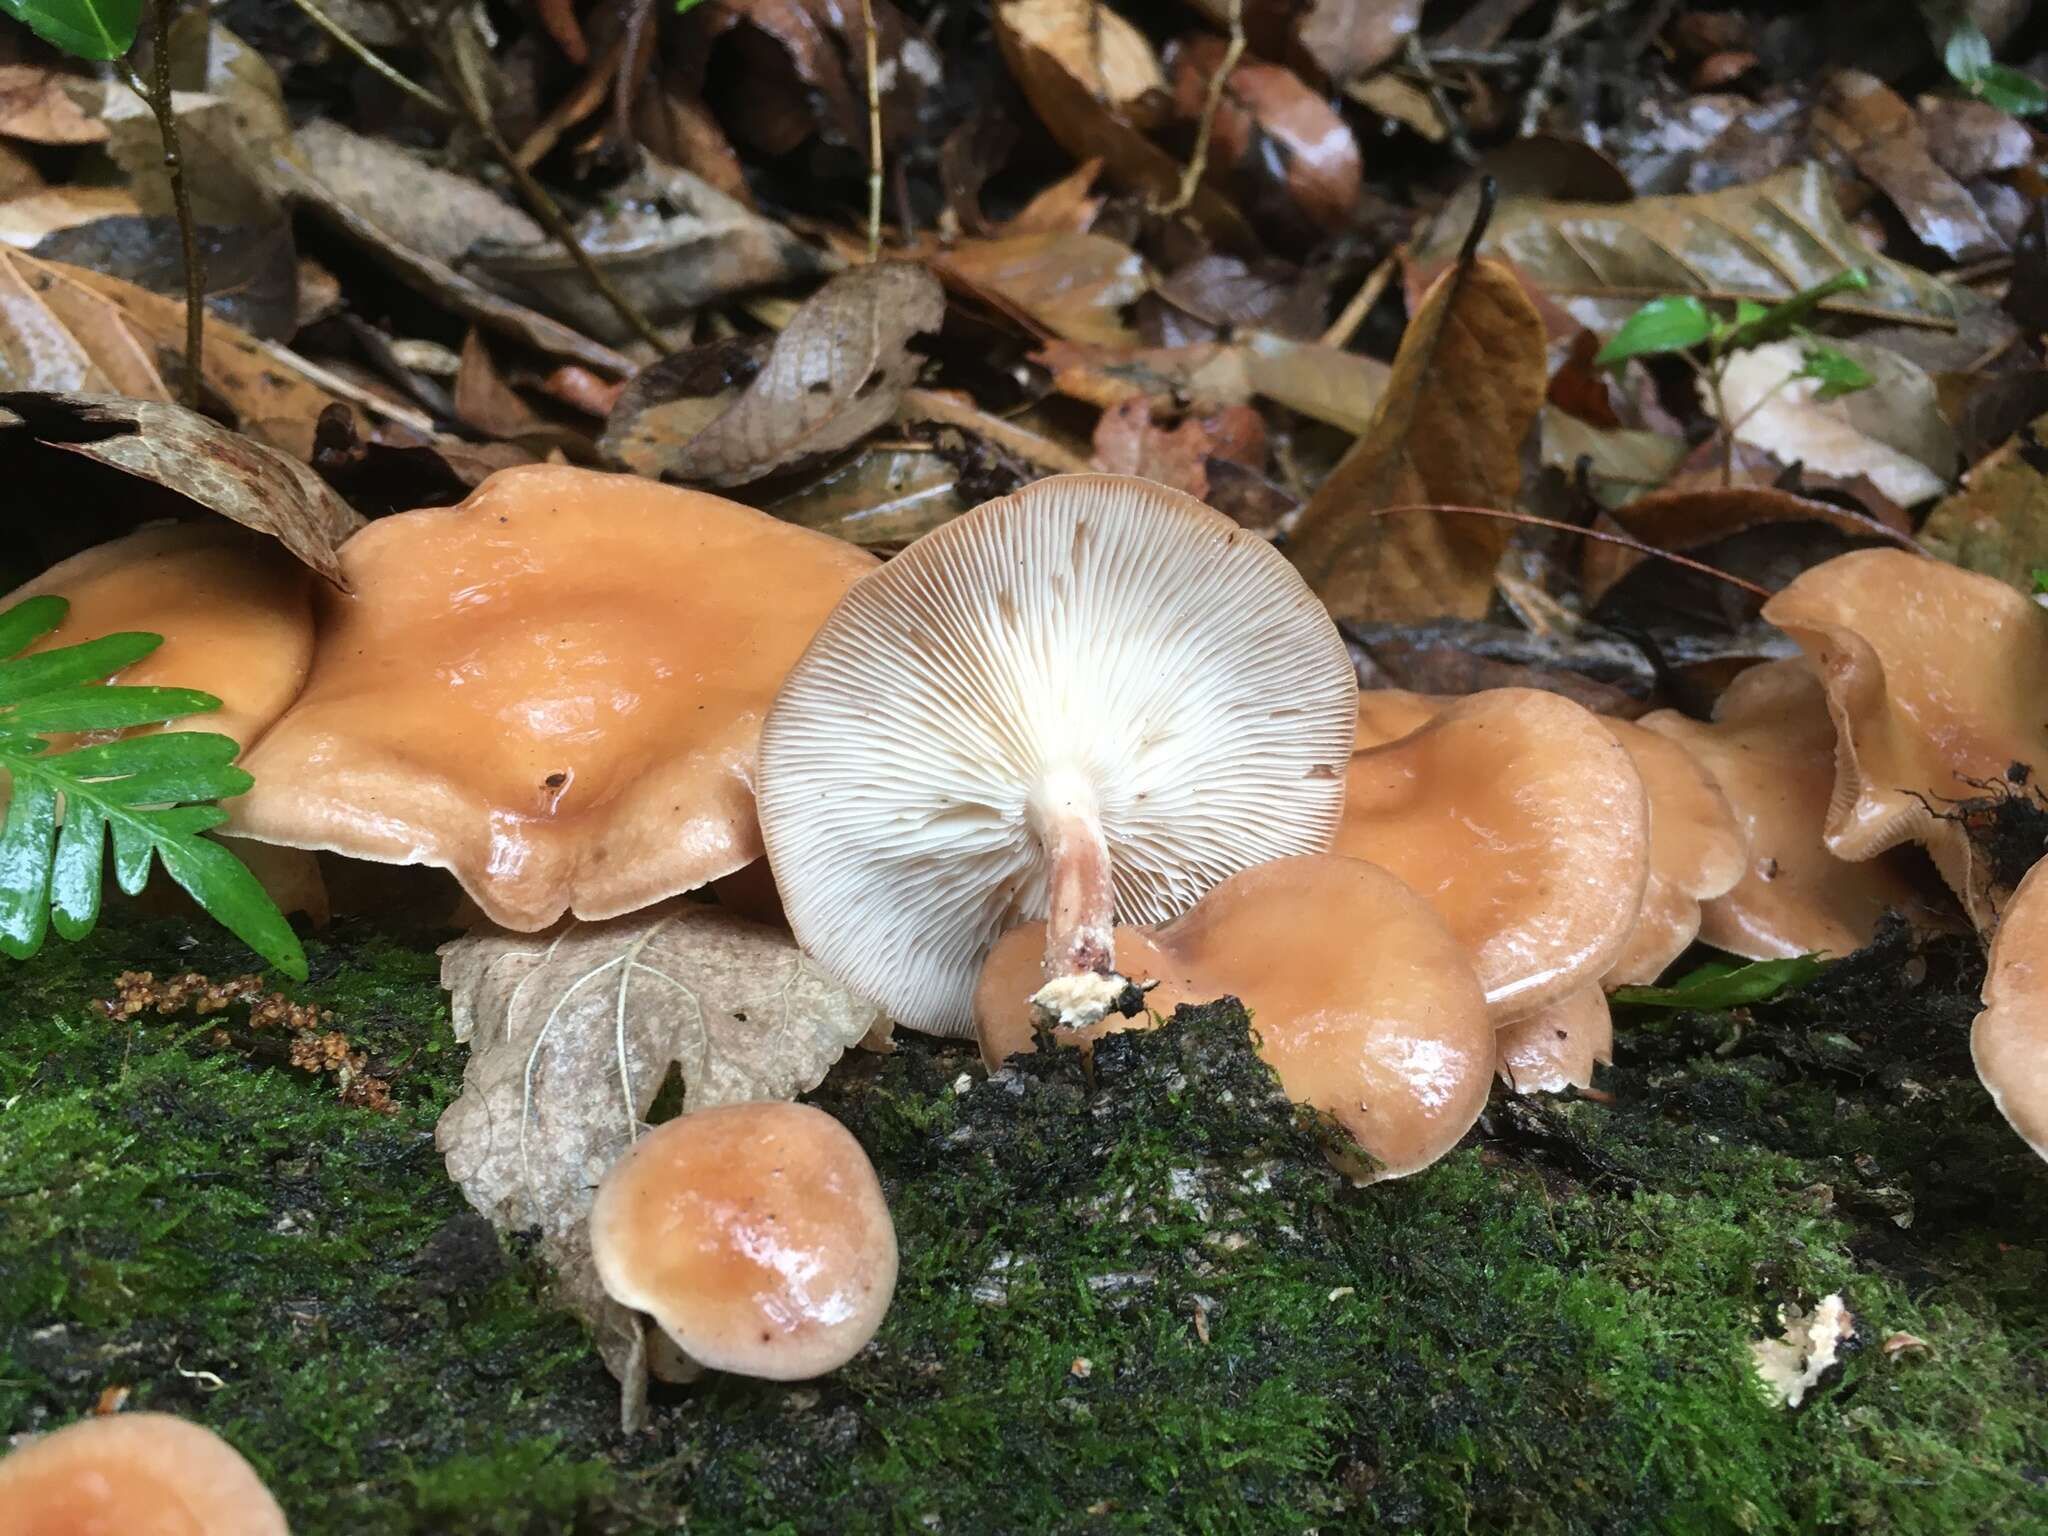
column 370, row 60
column 1198, row 158
column 1080, row 922
column 867, row 17
column 542, row 206
column 157, row 96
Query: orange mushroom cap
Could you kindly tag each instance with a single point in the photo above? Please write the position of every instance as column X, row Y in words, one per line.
column 235, row 611
column 1555, row 1047
column 2009, row 1040
column 1521, row 820
column 1362, row 1002
column 755, row 1235
column 1771, row 749
column 1934, row 679
column 135, row 1474
column 554, row 690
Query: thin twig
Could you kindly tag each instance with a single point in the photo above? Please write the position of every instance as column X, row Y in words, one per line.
column 542, row 206
column 158, row 98
column 1198, row 158
column 347, row 389
column 1346, row 325
column 369, row 59
column 867, row 17
column 631, row 66
column 1567, row 21
column 1440, row 99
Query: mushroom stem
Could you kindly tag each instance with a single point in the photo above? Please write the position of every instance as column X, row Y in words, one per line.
column 1081, row 982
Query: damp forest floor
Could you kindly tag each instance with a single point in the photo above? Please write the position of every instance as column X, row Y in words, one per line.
column 1131, row 1302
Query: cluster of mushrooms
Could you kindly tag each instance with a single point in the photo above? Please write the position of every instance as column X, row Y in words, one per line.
column 1082, row 754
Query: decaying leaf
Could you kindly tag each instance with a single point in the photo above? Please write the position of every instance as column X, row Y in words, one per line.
column 58, row 332
column 571, row 1036
column 1998, row 522
column 1350, row 38
column 423, row 207
column 1129, row 441
column 1341, row 388
column 1879, row 132
column 1094, row 44
column 1072, row 285
column 824, row 43
column 1893, row 431
column 252, row 274
column 1465, row 388
column 835, row 373
column 37, row 104
column 1765, row 241
column 225, row 472
column 883, row 500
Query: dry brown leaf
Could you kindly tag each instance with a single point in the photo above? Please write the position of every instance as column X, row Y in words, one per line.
column 1871, row 123
column 1089, row 127
column 1208, row 372
column 1069, row 205
column 1766, row 241
column 1465, row 388
column 1973, row 138
column 824, row 42
column 1073, row 286
column 1892, row 432
column 1349, row 38
column 571, row 1035
column 837, row 371
column 1102, row 52
column 58, row 332
column 883, row 500
column 427, row 209
column 27, row 219
column 1128, row 441
column 1998, row 522
column 225, row 472
column 37, row 104
column 1341, row 388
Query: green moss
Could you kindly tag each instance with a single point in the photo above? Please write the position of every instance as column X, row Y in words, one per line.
column 1133, row 1299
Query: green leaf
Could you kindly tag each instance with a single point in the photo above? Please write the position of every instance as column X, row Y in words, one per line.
column 2011, row 91
column 1758, row 324
column 87, row 29
column 1726, row 984
column 2041, row 579
column 1839, row 373
column 152, row 794
column 1673, row 323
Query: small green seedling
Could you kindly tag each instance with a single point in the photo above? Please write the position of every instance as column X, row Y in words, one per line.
column 1968, row 57
column 1723, row 984
column 153, row 793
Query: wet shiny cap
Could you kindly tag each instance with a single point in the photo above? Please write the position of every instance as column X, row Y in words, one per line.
column 134, row 1474
column 1104, row 630
column 755, row 1235
column 1519, row 818
column 1362, row 1001
column 554, row 690
column 235, row 611
column 2009, row 1041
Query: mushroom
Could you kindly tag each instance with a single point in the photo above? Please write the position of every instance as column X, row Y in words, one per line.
column 1093, row 699
column 1771, row 749
column 1518, row 817
column 1362, row 1002
column 235, row 611
column 2009, row 1040
column 1697, row 852
column 134, row 1473
column 755, row 1235
column 1934, row 678
column 1555, row 1047
column 553, row 690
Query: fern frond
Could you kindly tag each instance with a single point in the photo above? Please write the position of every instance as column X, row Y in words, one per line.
column 152, row 795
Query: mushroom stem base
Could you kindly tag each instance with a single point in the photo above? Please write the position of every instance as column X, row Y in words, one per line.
column 1089, row 997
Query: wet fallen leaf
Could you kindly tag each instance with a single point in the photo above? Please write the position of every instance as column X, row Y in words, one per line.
column 432, row 211
column 1107, row 376
column 1998, row 522
column 59, row 332
column 669, row 242
column 824, row 44
column 1068, row 206
column 837, row 371
column 1973, row 138
column 1073, row 286
column 1098, row 48
column 667, row 404
column 1129, row 441
column 1872, row 124
column 571, row 1036
column 30, row 218
column 1339, row 387
column 252, row 272
column 1892, row 431
column 37, row 104
column 1767, row 241
column 1621, row 462
column 225, row 472
column 1350, row 38
column 883, row 500
column 1465, row 388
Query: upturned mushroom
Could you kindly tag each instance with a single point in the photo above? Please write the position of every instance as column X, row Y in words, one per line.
column 1771, row 750
column 1933, row 678
column 2009, row 1040
column 137, row 1474
column 1362, row 1002
column 553, row 690
column 235, row 611
column 1088, row 701
column 755, row 1235
column 1522, row 821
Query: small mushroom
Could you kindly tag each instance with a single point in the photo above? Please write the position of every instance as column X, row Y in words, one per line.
column 1771, row 749
column 1094, row 699
column 235, row 611
column 553, row 690
column 1934, row 679
column 1362, row 1002
column 755, row 1235
column 1696, row 853
column 1521, row 820
column 139, row 1474
column 2009, row 1040
column 1555, row 1047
